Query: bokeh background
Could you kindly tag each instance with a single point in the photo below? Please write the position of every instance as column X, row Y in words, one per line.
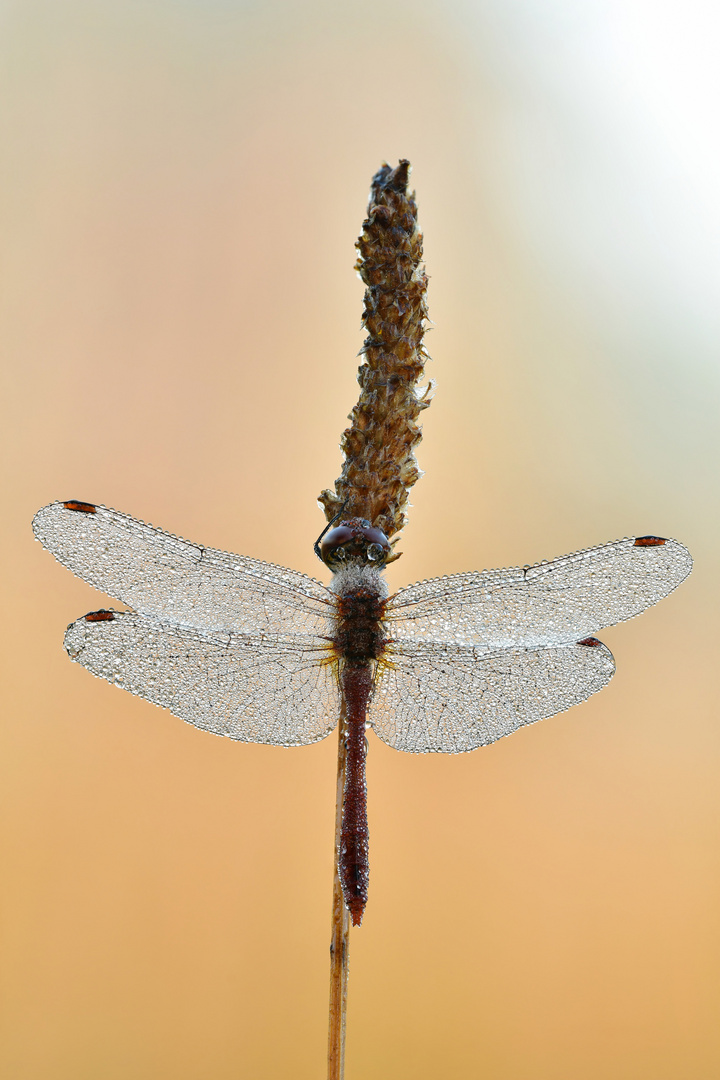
column 183, row 182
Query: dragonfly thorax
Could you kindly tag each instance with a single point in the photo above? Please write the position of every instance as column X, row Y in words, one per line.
column 360, row 607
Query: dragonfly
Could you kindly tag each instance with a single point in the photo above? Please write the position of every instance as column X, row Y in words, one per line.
column 263, row 654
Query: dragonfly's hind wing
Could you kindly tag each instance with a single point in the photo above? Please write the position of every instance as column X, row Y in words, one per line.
column 270, row 689
column 451, row 698
column 167, row 577
column 546, row 604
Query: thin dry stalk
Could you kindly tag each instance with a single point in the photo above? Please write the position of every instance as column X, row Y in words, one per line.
column 378, row 447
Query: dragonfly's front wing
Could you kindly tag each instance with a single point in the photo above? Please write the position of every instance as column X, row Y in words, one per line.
column 552, row 603
column 261, row 689
column 173, row 580
column 450, row 698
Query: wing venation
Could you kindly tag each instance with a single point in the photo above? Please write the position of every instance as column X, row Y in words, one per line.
column 550, row 603
column 278, row 689
column 166, row 577
column 450, row 699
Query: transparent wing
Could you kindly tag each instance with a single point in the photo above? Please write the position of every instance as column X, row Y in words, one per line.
column 547, row 604
column 169, row 578
column 452, row 698
column 274, row 689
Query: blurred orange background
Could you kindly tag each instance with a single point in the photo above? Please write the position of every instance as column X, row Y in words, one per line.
column 182, row 188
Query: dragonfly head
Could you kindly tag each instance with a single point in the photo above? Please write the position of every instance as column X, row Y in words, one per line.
column 354, row 541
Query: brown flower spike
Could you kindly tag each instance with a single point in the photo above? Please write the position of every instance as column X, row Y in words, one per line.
column 380, row 464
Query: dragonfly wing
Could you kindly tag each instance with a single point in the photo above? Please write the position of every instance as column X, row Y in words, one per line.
column 262, row 689
column 452, row 698
column 550, row 603
column 169, row 578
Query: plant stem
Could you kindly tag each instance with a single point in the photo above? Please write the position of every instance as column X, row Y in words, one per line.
column 378, row 448
column 340, row 933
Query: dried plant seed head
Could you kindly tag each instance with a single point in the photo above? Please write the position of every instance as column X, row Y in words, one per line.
column 378, row 447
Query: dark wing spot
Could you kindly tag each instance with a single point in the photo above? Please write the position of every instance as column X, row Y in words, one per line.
column 591, row 642
column 649, row 541
column 80, row 507
column 100, row 616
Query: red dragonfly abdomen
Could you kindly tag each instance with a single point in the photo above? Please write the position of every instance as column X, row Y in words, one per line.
column 360, row 642
column 353, row 862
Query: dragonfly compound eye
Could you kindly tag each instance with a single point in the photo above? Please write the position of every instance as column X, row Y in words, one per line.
column 355, row 540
